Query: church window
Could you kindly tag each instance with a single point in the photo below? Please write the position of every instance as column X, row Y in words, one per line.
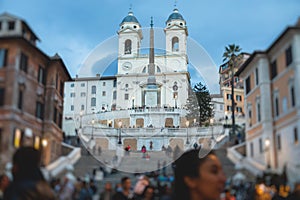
column 175, row 44
column 158, row 69
column 126, row 96
column 144, row 70
column 134, row 26
column 181, row 24
column 127, row 47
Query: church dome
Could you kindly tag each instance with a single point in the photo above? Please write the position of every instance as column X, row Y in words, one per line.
column 175, row 16
column 130, row 18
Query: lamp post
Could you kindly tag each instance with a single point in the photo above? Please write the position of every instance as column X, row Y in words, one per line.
column 81, row 113
column 267, row 150
column 133, row 98
column 93, row 122
column 187, row 123
column 119, row 138
column 44, row 145
column 226, row 118
column 211, row 121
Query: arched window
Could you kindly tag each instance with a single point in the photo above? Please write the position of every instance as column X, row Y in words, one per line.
column 158, row 69
column 127, row 47
column 144, row 70
column 175, row 44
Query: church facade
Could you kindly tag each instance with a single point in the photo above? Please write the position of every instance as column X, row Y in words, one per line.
column 155, row 86
column 150, row 89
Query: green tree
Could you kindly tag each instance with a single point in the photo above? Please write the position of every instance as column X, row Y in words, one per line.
column 232, row 56
column 199, row 104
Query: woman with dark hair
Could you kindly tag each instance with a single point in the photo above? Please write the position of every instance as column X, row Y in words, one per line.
column 28, row 180
column 198, row 178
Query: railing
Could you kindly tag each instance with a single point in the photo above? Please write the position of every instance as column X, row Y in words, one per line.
column 249, row 164
column 152, row 132
column 63, row 162
column 155, row 109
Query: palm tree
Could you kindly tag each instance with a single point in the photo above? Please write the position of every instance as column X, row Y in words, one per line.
column 231, row 56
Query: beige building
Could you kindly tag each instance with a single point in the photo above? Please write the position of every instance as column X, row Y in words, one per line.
column 225, row 73
column 31, row 92
column 272, row 88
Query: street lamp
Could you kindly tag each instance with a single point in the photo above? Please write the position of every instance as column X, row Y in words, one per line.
column 187, row 123
column 194, row 121
column 44, row 145
column 175, row 98
column 81, row 113
column 93, row 122
column 133, row 102
column 120, row 126
column 211, row 121
column 267, row 149
column 226, row 118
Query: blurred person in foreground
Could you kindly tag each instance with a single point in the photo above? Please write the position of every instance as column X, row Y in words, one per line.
column 126, row 192
column 108, row 192
column 28, row 181
column 4, row 182
column 295, row 195
column 198, row 178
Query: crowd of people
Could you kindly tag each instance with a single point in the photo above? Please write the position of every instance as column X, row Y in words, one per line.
column 195, row 179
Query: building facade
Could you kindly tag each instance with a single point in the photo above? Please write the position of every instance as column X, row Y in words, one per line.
column 225, row 73
column 148, row 90
column 272, row 88
column 31, row 92
column 88, row 97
